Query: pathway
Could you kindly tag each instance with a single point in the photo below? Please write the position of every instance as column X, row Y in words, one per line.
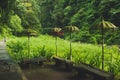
column 8, row 69
column 50, row 72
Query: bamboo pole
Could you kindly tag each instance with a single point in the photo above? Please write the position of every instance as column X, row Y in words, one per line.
column 56, row 45
column 70, row 46
column 102, row 48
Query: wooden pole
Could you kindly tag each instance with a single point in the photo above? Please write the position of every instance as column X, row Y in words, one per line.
column 70, row 46
column 102, row 47
column 28, row 46
column 56, row 45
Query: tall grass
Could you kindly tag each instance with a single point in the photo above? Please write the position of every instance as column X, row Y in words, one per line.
column 44, row 46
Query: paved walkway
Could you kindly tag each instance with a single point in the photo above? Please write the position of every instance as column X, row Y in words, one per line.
column 3, row 52
column 8, row 69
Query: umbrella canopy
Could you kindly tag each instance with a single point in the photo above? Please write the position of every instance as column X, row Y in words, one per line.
column 57, row 29
column 102, row 26
column 56, row 33
column 105, row 25
column 71, row 28
column 29, row 32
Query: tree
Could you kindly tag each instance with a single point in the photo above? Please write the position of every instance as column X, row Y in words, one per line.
column 6, row 8
column 46, row 8
column 15, row 23
column 28, row 11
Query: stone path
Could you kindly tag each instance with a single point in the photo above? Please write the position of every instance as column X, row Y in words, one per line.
column 3, row 52
column 8, row 69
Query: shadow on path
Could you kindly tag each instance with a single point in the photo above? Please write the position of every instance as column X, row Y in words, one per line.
column 47, row 72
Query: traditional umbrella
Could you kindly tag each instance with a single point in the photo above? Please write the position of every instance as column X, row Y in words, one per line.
column 56, row 31
column 71, row 29
column 104, row 25
column 28, row 33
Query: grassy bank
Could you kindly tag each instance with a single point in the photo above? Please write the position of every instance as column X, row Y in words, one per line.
column 45, row 46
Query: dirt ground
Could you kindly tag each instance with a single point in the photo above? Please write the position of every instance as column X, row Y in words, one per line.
column 48, row 72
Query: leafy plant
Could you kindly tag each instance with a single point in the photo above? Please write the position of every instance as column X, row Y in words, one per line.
column 15, row 23
column 16, row 49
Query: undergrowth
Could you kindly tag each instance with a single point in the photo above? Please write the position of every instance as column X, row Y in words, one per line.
column 44, row 46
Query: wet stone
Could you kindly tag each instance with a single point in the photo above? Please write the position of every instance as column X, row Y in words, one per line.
column 6, row 66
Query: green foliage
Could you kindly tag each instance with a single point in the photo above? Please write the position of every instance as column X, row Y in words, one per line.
column 67, row 10
column 5, row 30
column 49, row 13
column 15, row 23
column 75, row 19
column 6, row 6
column 82, row 14
column 34, row 14
column 18, row 53
column 28, row 12
column 43, row 46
